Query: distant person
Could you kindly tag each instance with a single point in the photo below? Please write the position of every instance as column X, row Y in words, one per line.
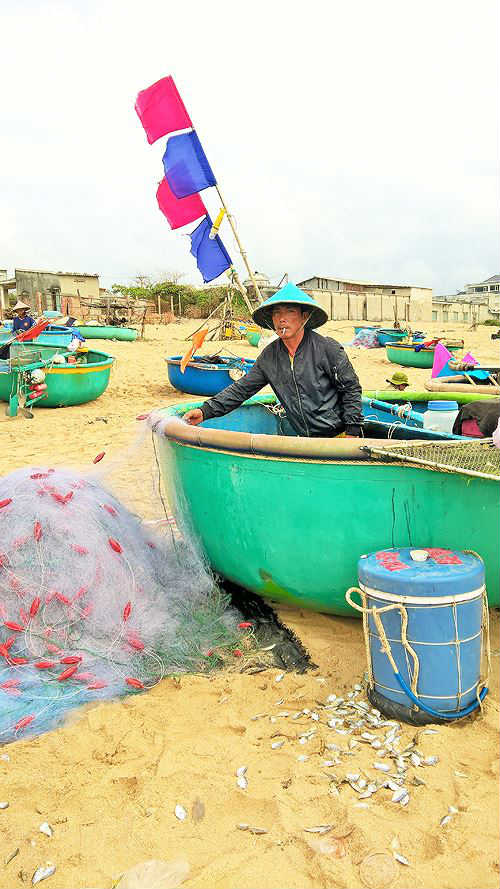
column 310, row 374
column 22, row 321
column 399, row 380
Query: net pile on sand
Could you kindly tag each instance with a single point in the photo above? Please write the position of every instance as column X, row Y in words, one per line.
column 92, row 604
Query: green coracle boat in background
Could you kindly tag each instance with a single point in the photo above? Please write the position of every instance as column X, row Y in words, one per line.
column 407, row 356
column 288, row 517
column 107, row 332
column 67, row 384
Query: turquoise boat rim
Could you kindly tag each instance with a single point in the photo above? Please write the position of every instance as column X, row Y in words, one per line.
column 410, row 347
column 105, row 361
column 167, row 422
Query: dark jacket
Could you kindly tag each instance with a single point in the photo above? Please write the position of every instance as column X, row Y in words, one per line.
column 321, row 392
column 19, row 324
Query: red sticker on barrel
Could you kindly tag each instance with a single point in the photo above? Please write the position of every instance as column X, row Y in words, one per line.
column 444, row 556
column 390, row 561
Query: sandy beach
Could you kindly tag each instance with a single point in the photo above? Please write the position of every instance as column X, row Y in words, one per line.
column 109, row 781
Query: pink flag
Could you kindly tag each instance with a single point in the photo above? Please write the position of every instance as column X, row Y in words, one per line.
column 179, row 211
column 441, row 357
column 469, row 359
column 161, row 109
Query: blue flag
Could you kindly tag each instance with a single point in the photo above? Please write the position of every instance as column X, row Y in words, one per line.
column 211, row 256
column 187, row 170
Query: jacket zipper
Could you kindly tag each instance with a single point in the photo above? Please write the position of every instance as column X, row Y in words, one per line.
column 300, row 402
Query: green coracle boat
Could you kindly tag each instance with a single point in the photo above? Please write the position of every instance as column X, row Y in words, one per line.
column 105, row 332
column 67, row 384
column 288, row 517
column 408, row 357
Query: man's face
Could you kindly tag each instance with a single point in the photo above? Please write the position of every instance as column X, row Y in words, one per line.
column 288, row 320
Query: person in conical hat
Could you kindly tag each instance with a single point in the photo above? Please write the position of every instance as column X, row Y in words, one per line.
column 310, row 374
column 22, row 321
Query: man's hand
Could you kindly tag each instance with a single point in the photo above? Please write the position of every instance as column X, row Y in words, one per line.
column 193, row 417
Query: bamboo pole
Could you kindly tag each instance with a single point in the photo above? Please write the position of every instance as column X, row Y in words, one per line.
column 240, row 246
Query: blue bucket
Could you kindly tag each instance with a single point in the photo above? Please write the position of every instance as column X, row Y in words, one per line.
column 429, row 616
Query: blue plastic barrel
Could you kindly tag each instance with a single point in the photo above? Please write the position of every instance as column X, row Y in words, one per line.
column 443, row 601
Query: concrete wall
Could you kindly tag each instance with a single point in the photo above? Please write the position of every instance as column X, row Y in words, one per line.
column 464, row 312
column 413, row 304
column 58, row 290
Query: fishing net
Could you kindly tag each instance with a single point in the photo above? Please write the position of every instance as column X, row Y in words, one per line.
column 93, row 604
column 474, row 458
column 366, row 339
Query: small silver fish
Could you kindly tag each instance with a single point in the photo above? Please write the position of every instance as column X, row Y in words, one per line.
column 444, row 821
column 42, row 873
column 315, row 717
column 242, row 826
column 276, row 745
column 430, row 760
column 46, row 829
column 405, row 800
column 382, row 766
column 321, row 828
column 401, row 859
column 241, row 782
column 11, row 856
column 399, row 795
column 4, row 805
column 415, row 760
column 180, row 812
column 279, row 677
column 241, row 771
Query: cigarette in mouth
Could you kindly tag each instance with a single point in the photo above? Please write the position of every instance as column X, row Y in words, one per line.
column 283, row 329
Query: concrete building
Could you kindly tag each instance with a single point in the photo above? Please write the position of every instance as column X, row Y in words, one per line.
column 59, row 291
column 348, row 300
column 476, row 303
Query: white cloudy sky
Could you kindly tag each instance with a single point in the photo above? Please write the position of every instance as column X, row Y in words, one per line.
column 351, row 138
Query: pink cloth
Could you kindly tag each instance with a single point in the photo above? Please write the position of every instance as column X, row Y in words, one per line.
column 161, row 109
column 179, row 211
column 469, row 359
column 471, row 429
column 441, row 358
column 496, row 436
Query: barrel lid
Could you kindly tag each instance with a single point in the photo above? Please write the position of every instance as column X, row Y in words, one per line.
column 443, row 405
column 444, row 573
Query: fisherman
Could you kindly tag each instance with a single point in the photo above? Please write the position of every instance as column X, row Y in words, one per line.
column 310, row 374
column 22, row 321
column 399, row 380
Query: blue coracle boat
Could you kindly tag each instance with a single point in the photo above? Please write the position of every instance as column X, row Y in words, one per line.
column 204, row 378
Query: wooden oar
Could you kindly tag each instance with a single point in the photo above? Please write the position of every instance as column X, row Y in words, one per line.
column 197, row 341
column 30, row 334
